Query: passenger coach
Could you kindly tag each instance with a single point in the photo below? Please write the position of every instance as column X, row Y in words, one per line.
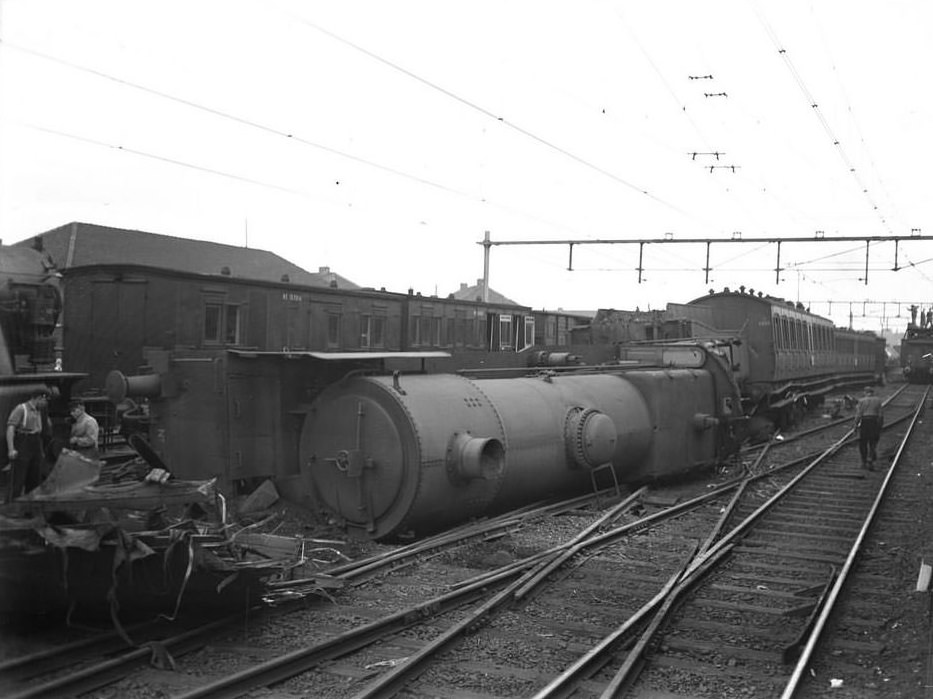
column 113, row 313
column 789, row 354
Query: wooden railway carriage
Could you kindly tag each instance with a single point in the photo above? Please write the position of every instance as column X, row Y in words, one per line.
column 790, row 355
column 114, row 312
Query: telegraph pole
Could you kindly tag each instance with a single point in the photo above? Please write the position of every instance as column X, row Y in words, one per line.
column 486, row 245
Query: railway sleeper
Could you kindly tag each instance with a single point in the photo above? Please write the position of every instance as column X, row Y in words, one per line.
column 693, row 646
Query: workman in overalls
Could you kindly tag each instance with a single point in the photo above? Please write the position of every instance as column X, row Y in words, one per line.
column 869, row 419
column 84, row 431
column 24, row 442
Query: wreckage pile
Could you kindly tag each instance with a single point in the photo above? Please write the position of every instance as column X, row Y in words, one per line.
column 96, row 541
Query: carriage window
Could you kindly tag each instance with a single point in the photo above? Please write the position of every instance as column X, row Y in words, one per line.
column 221, row 323
column 529, row 332
column 505, row 332
column 232, row 325
column 424, row 336
column 333, row 329
column 460, row 328
column 212, row 314
column 372, row 331
column 414, row 331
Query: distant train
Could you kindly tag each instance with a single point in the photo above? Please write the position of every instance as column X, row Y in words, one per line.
column 917, row 353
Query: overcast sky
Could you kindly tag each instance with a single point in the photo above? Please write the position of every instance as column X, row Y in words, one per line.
column 383, row 139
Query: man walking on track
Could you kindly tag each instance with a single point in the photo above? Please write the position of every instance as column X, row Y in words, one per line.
column 869, row 419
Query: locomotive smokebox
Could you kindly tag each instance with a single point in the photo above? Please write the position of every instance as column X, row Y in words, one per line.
column 396, row 456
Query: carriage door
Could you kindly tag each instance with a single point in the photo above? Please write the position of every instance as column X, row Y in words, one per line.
column 253, row 405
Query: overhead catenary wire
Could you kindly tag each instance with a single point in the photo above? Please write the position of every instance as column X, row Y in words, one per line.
column 324, row 147
column 175, row 161
column 916, row 266
column 681, row 105
column 855, row 121
column 490, row 114
column 754, row 181
column 848, row 251
column 289, row 135
column 818, row 113
column 294, row 137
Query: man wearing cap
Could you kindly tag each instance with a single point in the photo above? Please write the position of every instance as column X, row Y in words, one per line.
column 24, row 430
column 869, row 419
column 84, row 431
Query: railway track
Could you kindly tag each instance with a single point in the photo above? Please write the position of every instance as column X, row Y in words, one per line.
column 508, row 607
column 750, row 626
column 101, row 659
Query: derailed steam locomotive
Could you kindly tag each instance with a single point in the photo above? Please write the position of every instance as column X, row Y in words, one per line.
column 395, row 445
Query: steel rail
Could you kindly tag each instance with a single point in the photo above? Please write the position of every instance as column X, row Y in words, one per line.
column 789, row 439
column 813, row 430
column 706, row 557
column 805, row 655
column 687, row 580
column 575, row 544
column 389, row 683
column 23, row 667
column 305, row 659
column 567, row 682
column 368, row 566
column 740, row 528
column 100, row 674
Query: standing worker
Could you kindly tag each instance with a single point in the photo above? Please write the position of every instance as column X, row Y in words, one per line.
column 24, row 430
column 869, row 419
column 84, row 431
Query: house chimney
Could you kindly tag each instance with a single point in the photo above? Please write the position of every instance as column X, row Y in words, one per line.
column 323, row 270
